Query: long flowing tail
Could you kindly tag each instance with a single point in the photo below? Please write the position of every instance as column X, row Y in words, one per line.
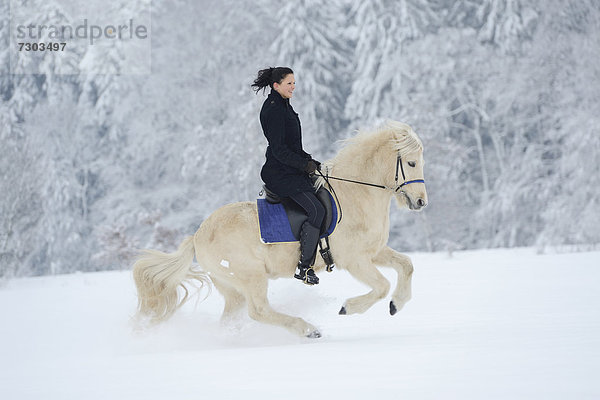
column 158, row 277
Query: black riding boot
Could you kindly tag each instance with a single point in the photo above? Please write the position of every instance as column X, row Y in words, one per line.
column 309, row 238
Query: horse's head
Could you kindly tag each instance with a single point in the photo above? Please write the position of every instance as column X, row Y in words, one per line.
column 390, row 157
column 406, row 154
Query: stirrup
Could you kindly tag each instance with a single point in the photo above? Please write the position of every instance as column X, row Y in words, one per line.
column 326, row 254
column 303, row 274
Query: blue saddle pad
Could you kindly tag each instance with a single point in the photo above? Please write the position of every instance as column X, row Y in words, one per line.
column 275, row 226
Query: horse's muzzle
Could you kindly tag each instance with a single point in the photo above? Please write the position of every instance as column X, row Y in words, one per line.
column 417, row 205
column 414, row 205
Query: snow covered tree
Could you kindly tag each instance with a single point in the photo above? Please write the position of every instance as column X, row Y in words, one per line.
column 382, row 30
column 506, row 23
column 21, row 207
column 501, row 91
column 313, row 42
column 571, row 38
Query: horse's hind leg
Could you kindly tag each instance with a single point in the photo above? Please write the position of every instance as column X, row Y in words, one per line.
column 234, row 300
column 260, row 310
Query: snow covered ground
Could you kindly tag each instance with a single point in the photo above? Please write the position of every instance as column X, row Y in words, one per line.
column 494, row 324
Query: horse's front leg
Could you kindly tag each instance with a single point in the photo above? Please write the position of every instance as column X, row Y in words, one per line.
column 403, row 265
column 365, row 271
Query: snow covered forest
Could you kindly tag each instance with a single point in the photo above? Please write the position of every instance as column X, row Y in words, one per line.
column 504, row 93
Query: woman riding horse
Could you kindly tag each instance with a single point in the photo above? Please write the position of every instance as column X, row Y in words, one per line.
column 288, row 167
column 385, row 163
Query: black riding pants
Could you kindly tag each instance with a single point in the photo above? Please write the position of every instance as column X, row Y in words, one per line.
column 312, row 206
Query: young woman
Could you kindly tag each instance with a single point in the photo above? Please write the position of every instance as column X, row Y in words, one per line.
column 288, row 167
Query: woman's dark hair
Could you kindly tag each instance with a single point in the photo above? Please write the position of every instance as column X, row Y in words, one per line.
column 268, row 76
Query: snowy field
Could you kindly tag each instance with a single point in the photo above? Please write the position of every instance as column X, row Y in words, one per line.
column 501, row 324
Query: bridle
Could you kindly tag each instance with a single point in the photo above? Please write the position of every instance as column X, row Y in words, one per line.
column 398, row 187
column 399, row 163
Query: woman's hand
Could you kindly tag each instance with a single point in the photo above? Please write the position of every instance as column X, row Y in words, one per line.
column 312, row 166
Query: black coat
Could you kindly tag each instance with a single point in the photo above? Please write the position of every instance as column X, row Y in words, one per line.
column 283, row 172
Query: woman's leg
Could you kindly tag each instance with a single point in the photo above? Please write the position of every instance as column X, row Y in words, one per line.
column 312, row 206
column 309, row 235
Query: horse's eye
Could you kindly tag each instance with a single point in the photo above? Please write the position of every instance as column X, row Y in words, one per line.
column 412, row 164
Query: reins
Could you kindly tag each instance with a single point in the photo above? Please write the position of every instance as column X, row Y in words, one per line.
column 326, row 177
column 350, row 180
column 399, row 168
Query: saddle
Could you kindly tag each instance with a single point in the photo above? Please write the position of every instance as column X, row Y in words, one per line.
column 281, row 219
column 297, row 216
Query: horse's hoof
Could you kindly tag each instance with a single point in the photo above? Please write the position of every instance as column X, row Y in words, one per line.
column 314, row 335
column 393, row 309
column 343, row 311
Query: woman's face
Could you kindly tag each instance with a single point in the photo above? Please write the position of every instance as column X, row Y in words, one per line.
column 286, row 87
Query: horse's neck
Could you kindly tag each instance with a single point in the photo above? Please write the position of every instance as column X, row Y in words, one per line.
column 361, row 203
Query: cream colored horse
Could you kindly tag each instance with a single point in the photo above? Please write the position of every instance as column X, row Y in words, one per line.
column 229, row 251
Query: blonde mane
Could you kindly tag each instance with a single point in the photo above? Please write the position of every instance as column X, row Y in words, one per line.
column 406, row 141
